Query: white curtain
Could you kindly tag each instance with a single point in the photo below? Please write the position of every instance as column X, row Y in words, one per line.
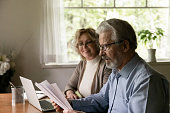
column 169, row 23
column 168, row 41
column 53, row 44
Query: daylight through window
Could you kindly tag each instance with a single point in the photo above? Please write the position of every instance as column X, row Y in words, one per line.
column 141, row 14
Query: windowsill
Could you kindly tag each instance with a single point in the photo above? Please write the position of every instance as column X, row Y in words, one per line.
column 53, row 66
column 160, row 62
column 73, row 65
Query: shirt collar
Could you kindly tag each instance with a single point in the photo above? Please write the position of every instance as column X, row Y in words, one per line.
column 126, row 70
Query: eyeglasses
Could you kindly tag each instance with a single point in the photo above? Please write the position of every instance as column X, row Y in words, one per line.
column 87, row 43
column 105, row 46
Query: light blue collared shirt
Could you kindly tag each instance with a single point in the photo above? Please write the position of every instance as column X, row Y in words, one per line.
column 137, row 88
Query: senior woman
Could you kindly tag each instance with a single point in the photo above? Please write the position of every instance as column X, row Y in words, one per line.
column 91, row 73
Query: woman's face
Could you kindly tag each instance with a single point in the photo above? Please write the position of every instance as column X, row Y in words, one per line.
column 87, row 47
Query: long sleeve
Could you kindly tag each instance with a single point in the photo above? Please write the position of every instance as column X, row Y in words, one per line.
column 75, row 78
column 94, row 103
column 149, row 95
column 137, row 88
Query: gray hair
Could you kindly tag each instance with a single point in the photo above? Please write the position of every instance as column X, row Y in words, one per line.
column 121, row 30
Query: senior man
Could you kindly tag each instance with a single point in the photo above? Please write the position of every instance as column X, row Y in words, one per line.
column 133, row 86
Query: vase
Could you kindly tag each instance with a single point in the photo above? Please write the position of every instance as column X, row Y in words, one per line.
column 151, row 55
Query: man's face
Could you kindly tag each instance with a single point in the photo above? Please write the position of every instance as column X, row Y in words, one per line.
column 112, row 53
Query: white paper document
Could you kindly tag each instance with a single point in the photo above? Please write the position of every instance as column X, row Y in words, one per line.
column 54, row 93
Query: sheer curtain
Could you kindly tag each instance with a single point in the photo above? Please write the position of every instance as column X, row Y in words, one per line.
column 168, row 41
column 53, row 44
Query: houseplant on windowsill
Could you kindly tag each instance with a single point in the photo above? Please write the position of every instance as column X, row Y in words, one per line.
column 149, row 38
column 7, row 69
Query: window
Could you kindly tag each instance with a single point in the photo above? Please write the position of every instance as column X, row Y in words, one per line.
column 141, row 14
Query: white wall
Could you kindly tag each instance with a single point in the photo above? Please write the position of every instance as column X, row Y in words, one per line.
column 19, row 29
column 162, row 67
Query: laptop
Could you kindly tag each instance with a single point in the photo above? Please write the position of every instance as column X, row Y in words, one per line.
column 39, row 94
column 42, row 105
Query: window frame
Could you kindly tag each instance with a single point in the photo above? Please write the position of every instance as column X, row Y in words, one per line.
column 73, row 65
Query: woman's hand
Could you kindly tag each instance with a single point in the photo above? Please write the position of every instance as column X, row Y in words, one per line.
column 72, row 111
column 71, row 95
column 57, row 107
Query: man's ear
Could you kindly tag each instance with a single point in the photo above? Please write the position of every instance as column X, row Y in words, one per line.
column 126, row 45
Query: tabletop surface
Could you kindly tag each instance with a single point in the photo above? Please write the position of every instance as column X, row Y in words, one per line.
column 6, row 105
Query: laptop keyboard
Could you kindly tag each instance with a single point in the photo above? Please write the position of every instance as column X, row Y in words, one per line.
column 45, row 105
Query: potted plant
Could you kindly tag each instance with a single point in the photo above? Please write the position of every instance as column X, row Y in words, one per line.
column 149, row 38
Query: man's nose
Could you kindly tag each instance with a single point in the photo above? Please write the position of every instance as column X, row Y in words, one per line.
column 101, row 53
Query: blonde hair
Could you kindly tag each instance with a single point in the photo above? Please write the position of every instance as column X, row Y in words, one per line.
column 92, row 35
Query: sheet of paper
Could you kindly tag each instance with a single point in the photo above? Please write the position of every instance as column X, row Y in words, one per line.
column 62, row 96
column 54, row 93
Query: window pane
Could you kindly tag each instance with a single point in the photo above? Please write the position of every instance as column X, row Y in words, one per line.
column 158, row 3
column 138, row 18
column 98, row 3
column 155, row 18
column 77, row 19
column 130, row 3
column 72, row 3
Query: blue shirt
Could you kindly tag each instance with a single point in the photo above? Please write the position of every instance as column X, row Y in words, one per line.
column 137, row 88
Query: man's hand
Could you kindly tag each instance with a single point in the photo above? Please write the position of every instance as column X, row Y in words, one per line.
column 57, row 107
column 71, row 95
column 60, row 110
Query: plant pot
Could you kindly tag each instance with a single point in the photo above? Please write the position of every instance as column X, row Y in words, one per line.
column 151, row 55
